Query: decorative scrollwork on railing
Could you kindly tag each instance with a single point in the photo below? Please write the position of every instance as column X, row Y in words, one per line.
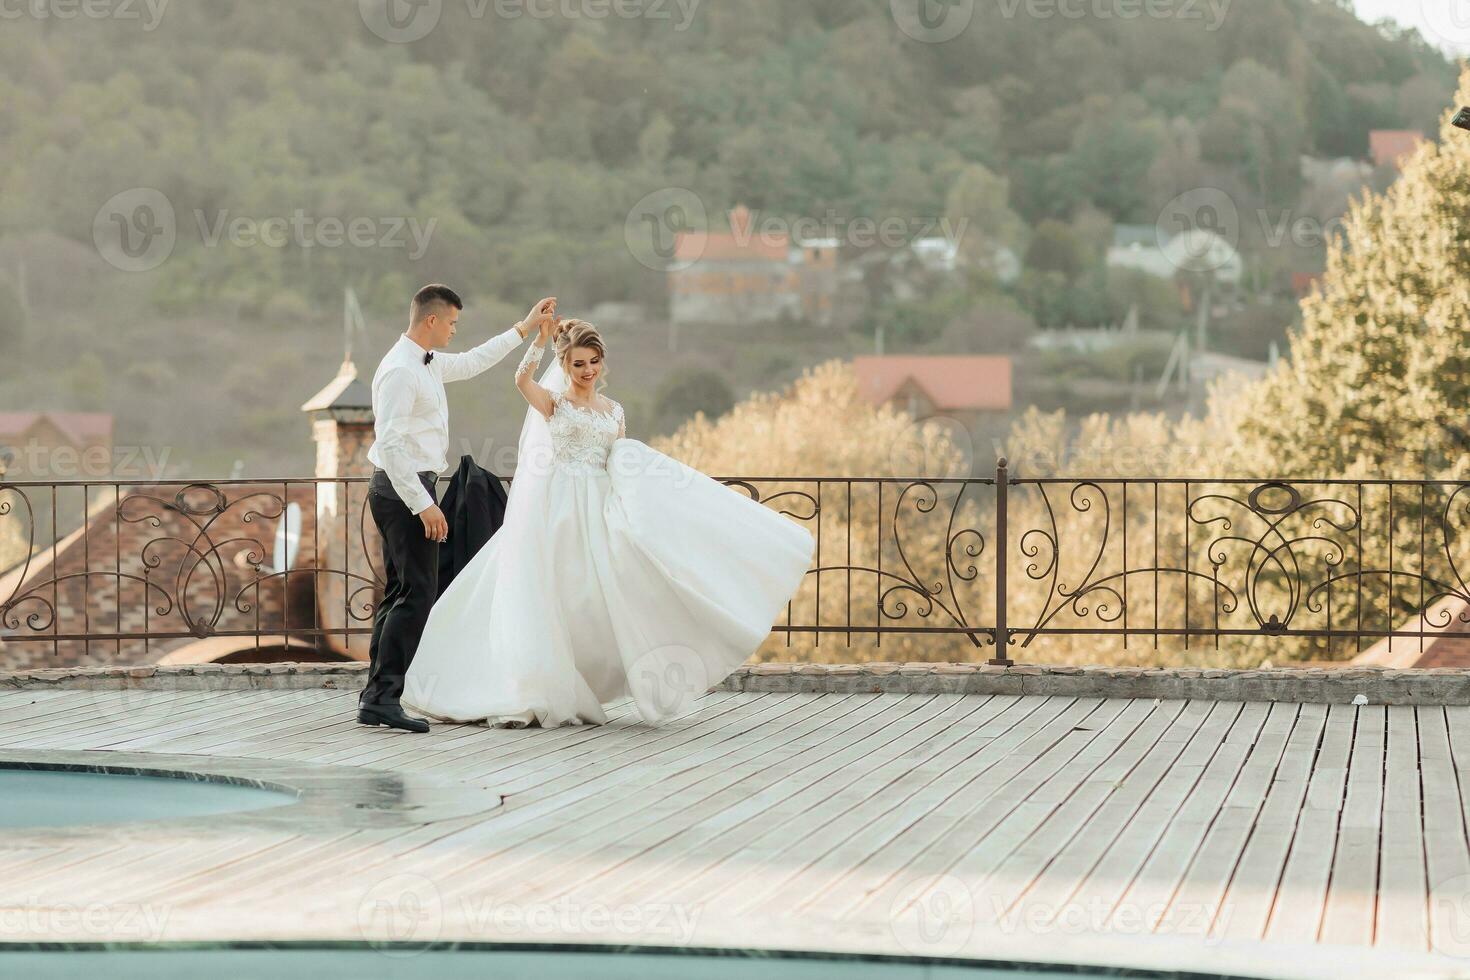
column 796, row 495
column 25, row 543
column 942, row 595
column 1433, row 588
column 202, row 561
column 1274, row 555
column 903, row 590
column 1095, row 594
column 1279, row 558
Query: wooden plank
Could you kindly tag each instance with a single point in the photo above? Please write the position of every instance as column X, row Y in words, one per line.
column 341, row 849
column 1068, row 892
column 227, row 718
column 1119, row 745
column 1352, row 893
column 1178, row 891
column 632, row 776
column 100, row 713
column 244, row 725
column 452, row 741
column 1249, row 894
column 704, row 834
column 449, row 851
column 825, row 806
column 651, row 809
column 936, row 840
column 801, row 782
column 1446, row 844
column 970, row 857
column 1403, row 891
column 22, row 708
column 1143, row 864
column 1301, row 896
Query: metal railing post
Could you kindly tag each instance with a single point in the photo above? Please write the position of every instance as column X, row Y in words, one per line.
column 1002, row 546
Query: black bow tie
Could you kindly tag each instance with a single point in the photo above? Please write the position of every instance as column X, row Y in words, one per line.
column 429, row 358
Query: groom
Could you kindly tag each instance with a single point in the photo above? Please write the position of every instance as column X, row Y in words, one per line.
column 411, row 415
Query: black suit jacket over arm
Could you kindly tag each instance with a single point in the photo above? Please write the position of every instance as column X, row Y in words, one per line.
column 474, row 505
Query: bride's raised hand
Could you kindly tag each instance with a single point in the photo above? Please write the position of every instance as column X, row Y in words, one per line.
column 541, row 314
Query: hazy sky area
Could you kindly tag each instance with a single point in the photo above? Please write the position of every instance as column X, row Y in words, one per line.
column 1445, row 23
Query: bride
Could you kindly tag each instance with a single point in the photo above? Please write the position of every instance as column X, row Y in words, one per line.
column 618, row 570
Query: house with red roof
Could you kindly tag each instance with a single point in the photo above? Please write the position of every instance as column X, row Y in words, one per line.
column 750, row 274
column 966, row 387
column 55, row 445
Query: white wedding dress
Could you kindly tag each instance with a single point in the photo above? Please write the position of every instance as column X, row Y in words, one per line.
column 618, row 571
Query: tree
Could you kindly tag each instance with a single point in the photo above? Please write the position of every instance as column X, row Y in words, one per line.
column 1383, row 352
column 1376, row 384
column 1259, row 126
column 979, row 211
column 1056, row 248
column 1112, row 151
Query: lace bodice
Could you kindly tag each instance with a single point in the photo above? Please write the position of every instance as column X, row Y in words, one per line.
column 581, row 438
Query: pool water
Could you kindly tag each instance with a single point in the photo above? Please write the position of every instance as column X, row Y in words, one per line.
column 56, row 798
column 553, row 964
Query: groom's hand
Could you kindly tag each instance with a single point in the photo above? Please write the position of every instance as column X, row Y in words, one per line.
column 542, row 312
column 436, row 527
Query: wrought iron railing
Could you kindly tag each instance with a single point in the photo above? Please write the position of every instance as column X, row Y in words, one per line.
column 130, row 572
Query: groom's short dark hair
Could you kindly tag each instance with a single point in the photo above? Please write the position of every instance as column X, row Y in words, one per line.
column 433, row 299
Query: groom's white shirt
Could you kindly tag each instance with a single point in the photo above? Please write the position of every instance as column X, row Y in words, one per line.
column 411, row 410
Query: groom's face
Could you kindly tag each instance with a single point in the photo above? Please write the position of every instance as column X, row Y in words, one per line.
column 442, row 325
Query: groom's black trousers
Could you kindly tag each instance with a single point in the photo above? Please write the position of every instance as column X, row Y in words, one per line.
column 411, row 565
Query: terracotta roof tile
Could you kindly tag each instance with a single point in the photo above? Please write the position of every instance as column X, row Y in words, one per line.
column 951, row 382
column 79, row 426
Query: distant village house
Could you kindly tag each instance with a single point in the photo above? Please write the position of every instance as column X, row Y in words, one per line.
column 55, row 445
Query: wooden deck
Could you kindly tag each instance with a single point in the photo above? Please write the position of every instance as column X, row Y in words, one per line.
column 1150, row 832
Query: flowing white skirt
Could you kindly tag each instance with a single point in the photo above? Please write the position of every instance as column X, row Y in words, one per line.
column 645, row 578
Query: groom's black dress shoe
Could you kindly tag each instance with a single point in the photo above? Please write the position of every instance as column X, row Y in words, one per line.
column 378, row 715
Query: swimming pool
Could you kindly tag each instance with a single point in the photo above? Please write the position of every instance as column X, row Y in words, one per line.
column 353, row 961
column 41, row 797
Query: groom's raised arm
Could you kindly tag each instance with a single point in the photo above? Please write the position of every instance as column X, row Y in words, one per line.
column 462, row 367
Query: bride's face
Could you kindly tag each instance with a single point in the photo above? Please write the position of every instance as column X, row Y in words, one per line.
column 584, row 366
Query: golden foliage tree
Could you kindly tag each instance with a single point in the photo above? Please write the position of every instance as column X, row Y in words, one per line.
column 1383, row 354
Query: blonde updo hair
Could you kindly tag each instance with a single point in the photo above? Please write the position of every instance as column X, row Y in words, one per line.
column 573, row 334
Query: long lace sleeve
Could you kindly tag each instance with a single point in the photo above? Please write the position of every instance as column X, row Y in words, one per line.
column 622, row 421
column 531, row 359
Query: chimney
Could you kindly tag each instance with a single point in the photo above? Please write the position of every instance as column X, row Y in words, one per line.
column 350, row 548
column 342, row 425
